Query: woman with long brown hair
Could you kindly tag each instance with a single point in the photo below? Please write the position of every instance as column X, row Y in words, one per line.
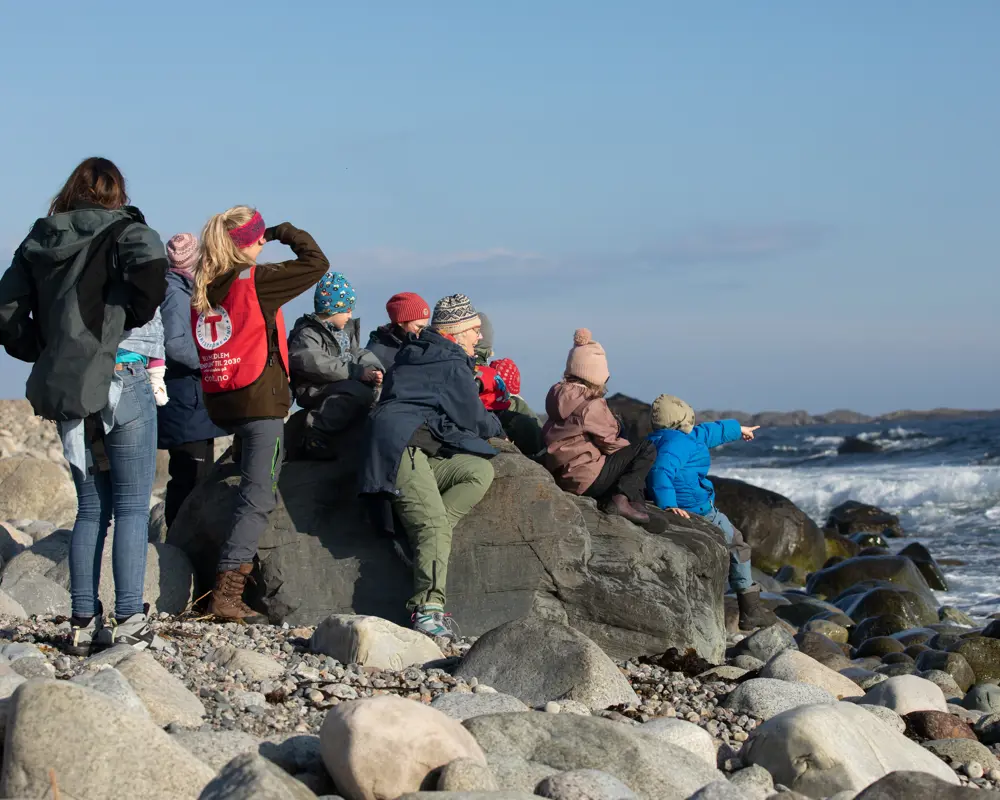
column 75, row 302
column 243, row 357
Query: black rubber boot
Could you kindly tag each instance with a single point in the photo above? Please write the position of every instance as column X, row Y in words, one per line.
column 752, row 614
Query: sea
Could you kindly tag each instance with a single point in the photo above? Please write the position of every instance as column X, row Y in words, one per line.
column 942, row 478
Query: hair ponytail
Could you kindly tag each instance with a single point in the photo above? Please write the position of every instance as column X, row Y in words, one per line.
column 218, row 255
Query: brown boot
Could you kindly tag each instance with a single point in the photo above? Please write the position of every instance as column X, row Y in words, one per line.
column 227, row 597
column 621, row 506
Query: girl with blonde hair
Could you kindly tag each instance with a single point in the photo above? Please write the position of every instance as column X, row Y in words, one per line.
column 243, row 357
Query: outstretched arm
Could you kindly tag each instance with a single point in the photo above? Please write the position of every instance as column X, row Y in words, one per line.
column 713, row 434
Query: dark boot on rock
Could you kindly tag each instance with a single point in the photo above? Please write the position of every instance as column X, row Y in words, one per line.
column 621, row 506
column 752, row 614
column 227, row 597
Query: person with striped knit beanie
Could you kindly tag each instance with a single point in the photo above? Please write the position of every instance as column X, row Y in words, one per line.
column 585, row 449
column 426, row 454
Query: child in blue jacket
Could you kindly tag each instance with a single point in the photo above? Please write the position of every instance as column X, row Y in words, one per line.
column 678, row 482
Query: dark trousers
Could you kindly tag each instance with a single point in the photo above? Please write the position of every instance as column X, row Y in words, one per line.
column 189, row 465
column 624, row 472
column 524, row 431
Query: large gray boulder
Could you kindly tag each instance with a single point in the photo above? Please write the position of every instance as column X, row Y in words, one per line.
column 527, row 549
column 33, row 488
column 563, row 743
column 897, row 570
column 779, row 532
column 536, row 661
column 29, row 576
column 83, row 736
column 819, row 750
column 250, row 777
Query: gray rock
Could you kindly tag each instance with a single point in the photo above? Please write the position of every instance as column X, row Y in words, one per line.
column 12, row 542
column 9, row 607
column 111, row 657
column 651, row 768
column 983, row 697
column 722, row 673
column 527, row 547
column 820, row 750
column 536, row 661
column 466, row 775
column 720, row 790
column 905, row 694
column 755, row 781
column 38, row 559
column 33, row 668
column 916, row 786
column 216, row 748
column 887, row 715
column 506, row 794
column 963, row 750
column 167, row 699
column 516, row 774
column 111, row 683
column 767, row 697
column 82, row 734
column 299, row 755
column 966, row 714
column 584, row 784
column 37, row 595
column 684, row 734
column 255, row 666
column 944, row 681
column 9, row 681
column 463, row 706
column 250, row 777
column 864, row 678
column 766, row 643
column 32, row 488
column 372, row 642
column 988, row 729
column 747, row 662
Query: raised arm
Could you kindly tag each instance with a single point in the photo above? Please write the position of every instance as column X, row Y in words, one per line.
column 279, row 283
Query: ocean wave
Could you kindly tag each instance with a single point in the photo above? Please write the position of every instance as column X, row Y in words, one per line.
column 824, row 441
column 901, row 490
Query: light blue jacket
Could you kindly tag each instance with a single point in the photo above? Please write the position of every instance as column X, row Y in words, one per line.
column 679, row 477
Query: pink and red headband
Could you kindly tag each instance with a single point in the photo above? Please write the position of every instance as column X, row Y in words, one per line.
column 249, row 233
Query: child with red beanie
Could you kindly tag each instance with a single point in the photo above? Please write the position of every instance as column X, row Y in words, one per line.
column 585, row 450
column 519, row 422
column 408, row 314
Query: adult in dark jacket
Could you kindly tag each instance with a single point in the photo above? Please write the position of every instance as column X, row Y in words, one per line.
column 408, row 314
column 85, row 275
column 426, row 447
column 185, row 430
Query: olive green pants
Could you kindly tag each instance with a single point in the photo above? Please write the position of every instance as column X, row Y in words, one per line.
column 434, row 494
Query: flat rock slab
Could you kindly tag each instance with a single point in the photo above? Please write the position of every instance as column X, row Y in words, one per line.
column 167, row 699
column 462, row 706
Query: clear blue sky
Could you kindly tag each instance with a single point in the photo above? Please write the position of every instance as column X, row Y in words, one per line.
column 757, row 205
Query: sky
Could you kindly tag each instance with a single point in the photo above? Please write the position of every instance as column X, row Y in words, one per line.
column 753, row 205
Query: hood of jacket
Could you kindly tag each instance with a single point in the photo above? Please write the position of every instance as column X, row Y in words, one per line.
column 431, row 347
column 384, row 334
column 59, row 239
column 353, row 328
column 566, row 398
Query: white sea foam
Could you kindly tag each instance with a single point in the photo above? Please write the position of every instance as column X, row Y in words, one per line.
column 954, row 510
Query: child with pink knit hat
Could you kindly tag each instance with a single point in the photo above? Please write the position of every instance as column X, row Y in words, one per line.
column 584, row 448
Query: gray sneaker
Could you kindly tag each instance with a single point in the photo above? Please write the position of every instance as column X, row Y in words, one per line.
column 431, row 621
column 134, row 631
column 84, row 640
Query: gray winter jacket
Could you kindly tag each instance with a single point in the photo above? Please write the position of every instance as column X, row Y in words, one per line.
column 316, row 359
column 77, row 283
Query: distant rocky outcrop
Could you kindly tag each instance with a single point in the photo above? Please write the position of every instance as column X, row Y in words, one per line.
column 635, row 414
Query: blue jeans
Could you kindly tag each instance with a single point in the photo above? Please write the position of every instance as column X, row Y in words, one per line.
column 740, row 578
column 123, row 493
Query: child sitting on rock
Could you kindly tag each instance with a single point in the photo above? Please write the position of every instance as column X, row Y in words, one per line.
column 331, row 375
column 585, row 450
column 500, row 393
column 519, row 422
column 678, row 482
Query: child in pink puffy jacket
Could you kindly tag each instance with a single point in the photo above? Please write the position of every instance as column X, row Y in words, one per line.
column 584, row 448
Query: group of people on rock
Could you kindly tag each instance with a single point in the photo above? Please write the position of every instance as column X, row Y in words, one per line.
column 136, row 346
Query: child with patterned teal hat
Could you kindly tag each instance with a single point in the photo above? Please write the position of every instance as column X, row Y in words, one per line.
column 331, row 374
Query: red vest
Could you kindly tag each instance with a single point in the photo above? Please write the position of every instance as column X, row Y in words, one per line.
column 232, row 339
column 493, row 394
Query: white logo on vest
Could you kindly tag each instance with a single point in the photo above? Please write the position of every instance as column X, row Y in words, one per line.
column 214, row 328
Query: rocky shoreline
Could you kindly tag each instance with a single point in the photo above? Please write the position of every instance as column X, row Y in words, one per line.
column 602, row 661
